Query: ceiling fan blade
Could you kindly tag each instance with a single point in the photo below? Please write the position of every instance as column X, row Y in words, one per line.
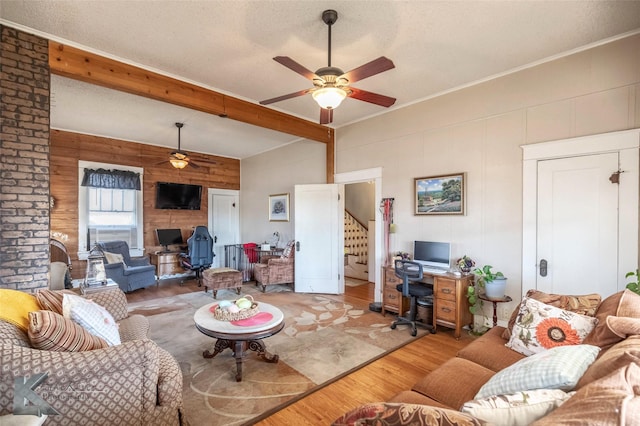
column 374, row 98
column 192, row 164
column 296, row 67
column 326, row 116
column 284, row 97
column 374, row 67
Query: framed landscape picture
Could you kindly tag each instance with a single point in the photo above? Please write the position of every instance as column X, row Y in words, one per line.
column 279, row 208
column 435, row 195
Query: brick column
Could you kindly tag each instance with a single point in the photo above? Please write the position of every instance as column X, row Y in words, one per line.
column 24, row 155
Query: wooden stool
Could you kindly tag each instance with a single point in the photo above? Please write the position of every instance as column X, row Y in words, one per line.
column 220, row 278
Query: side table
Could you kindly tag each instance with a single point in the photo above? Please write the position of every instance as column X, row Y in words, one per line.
column 240, row 338
column 495, row 302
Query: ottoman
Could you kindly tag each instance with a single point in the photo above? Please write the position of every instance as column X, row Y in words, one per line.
column 219, row 278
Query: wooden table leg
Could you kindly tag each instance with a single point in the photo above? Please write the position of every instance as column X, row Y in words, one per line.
column 259, row 346
column 239, row 347
column 495, row 313
column 220, row 346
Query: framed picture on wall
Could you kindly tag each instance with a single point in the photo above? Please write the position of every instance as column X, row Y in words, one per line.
column 436, row 195
column 279, row 208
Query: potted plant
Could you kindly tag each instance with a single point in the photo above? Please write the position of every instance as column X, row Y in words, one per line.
column 494, row 283
column 634, row 286
column 465, row 263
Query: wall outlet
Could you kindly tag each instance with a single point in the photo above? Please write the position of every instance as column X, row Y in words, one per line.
column 504, row 313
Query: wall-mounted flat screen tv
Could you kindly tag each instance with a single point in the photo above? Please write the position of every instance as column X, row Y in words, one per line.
column 178, row 196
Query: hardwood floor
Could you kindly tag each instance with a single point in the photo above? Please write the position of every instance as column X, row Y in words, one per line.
column 378, row 381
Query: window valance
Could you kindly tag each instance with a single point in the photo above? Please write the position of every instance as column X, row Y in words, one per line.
column 116, row 179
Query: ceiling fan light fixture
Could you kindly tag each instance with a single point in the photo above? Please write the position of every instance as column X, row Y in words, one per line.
column 329, row 97
column 178, row 163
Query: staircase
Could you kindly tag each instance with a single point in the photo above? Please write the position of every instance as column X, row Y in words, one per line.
column 356, row 248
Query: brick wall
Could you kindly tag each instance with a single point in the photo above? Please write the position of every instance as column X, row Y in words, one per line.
column 24, row 155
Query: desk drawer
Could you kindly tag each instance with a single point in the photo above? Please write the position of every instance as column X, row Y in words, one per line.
column 446, row 310
column 446, row 289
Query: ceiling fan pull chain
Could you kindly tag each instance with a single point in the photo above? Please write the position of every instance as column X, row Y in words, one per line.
column 329, row 53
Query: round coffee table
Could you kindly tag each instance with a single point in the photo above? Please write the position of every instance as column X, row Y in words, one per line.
column 240, row 338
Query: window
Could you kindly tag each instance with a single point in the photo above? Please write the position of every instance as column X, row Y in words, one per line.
column 108, row 214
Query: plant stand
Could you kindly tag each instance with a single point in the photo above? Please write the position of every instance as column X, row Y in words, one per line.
column 495, row 302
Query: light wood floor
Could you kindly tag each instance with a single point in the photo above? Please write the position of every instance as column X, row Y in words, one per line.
column 378, row 381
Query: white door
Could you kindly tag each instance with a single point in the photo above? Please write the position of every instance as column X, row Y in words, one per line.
column 224, row 222
column 319, row 228
column 578, row 225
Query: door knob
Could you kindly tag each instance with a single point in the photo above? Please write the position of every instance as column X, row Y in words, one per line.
column 297, row 245
column 543, row 267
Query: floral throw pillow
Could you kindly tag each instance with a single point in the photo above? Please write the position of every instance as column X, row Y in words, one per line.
column 541, row 327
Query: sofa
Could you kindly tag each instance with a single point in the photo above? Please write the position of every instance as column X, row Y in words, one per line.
column 593, row 380
column 88, row 381
column 131, row 273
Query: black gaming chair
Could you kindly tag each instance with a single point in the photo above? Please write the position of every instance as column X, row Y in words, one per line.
column 410, row 272
column 200, row 255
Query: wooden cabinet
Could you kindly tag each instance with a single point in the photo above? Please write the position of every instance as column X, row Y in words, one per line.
column 167, row 263
column 392, row 299
column 450, row 304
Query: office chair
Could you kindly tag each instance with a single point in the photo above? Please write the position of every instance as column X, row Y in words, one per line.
column 200, row 256
column 411, row 272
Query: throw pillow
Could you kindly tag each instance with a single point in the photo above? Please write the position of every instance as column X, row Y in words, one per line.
column 15, row 307
column 114, row 258
column 586, row 304
column 392, row 414
column 519, row 409
column 611, row 401
column 288, row 250
column 623, row 326
column 617, row 356
column 621, row 304
column 51, row 300
column 556, row 368
column 93, row 317
column 540, row 327
column 49, row 331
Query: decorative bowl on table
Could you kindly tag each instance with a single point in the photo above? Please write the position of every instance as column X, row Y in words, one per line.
column 242, row 308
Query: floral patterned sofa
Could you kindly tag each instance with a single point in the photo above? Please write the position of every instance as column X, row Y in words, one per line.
column 131, row 383
column 575, row 375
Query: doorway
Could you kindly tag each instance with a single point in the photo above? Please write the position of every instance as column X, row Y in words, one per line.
column 580, row 213
column 359, row 237
column 375, row 259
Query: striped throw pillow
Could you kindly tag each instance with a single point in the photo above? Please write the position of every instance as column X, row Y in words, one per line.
column 51, row 300
column 49, row 331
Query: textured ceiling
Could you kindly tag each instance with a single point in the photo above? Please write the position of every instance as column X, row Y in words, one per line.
column 228, row 46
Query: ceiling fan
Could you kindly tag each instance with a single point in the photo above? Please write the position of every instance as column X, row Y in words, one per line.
column 331, row 84
column 180, row 159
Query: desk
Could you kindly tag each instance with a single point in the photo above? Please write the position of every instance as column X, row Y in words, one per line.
column 167, row 263
column 450, row 304
column 495, row 302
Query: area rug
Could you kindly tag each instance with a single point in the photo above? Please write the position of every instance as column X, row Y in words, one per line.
column 323, row 338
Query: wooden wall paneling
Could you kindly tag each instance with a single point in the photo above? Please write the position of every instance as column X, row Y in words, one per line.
column 68, row 148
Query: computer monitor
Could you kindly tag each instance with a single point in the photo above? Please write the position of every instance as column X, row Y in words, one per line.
column 432, row 254
column 167, row 237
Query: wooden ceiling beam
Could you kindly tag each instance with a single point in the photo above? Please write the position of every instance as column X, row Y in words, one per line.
column 78, row 64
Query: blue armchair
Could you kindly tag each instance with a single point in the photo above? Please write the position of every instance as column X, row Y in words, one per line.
column 131, row 273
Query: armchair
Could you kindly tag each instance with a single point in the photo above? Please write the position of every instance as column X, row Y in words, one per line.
column 276, row 269
column 135, row 382
column 131, row 273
